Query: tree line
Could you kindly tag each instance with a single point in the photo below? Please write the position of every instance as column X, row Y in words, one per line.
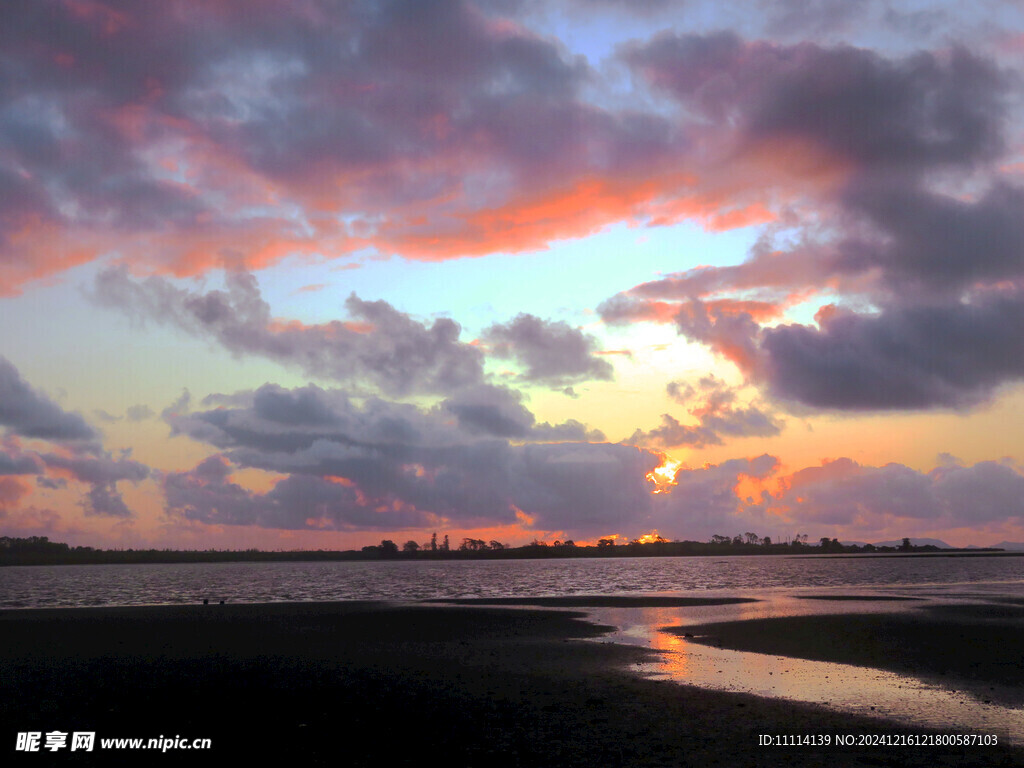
column 39, row 550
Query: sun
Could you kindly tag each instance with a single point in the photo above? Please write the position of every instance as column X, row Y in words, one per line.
column 664, row 475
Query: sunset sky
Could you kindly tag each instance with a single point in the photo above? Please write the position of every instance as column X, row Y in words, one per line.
column 315, row 274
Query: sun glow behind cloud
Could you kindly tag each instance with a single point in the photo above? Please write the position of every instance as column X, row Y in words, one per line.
column 664, row 476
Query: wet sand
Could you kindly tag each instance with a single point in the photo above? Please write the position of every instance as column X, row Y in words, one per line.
column 373, row 684
column 599, row 601
column 980, row 647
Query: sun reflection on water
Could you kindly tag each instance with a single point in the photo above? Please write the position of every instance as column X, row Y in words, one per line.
column 866, row 691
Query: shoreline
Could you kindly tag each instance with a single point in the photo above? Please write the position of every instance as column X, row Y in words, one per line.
column 377, row 683
column 965, row 646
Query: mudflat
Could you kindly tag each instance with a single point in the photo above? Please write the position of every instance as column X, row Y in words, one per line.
column 377, row 684
column 980, row 646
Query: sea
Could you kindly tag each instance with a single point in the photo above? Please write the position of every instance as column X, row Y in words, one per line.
column 175, row 584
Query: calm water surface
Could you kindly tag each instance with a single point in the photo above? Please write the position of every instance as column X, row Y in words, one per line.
column 91, row 585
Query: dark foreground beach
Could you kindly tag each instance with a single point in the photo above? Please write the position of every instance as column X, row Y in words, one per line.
column 376, row 684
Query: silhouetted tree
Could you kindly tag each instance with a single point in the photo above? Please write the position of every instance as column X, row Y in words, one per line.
column 410, row 546
column 388, row 547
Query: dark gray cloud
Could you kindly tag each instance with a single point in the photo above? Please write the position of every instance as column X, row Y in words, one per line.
column 811, row 18
column 14, row 462
column 913, row 356
column 299, row 501
column 949, row 355
column 102, row 472
column 379, row 345
column 933, row 244
column 913, row 113
column 101, row 469
column 28, row 412
column 580, row 487
column 385, row 465
column 104, row 500
column 499, row 412
column 550, row 352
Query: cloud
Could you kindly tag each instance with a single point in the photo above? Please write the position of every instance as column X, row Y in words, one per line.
column 102, row 473
column 28, row 412
column 499, row 412
column 382, row 464
column 914, row 254
column 11, row 492
column 901, row 357
column 932, row 244
column 839, row 495
column 14, row 462
column 952, row 355
column 842, row 492
column 744, row 422
column 104, row 500
column 101, row 470
column 857, row 106
column 704, row 500
column 139, row 413
column 299, row 501
column 717, row 417
column 551, row 352
column 812, row 18
column 379, row 345
column 241, row 136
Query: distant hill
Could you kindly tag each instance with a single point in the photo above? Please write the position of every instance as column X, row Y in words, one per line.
column 917, row 543
column 1014, row 545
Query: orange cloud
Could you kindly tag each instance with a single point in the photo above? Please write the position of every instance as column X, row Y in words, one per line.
column 11, row 491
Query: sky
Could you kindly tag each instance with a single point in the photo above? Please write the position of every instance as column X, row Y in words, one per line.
column 315, row 274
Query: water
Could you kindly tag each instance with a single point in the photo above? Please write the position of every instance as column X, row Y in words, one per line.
column 777, row 583
column 946, row 705
column 161, row 584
